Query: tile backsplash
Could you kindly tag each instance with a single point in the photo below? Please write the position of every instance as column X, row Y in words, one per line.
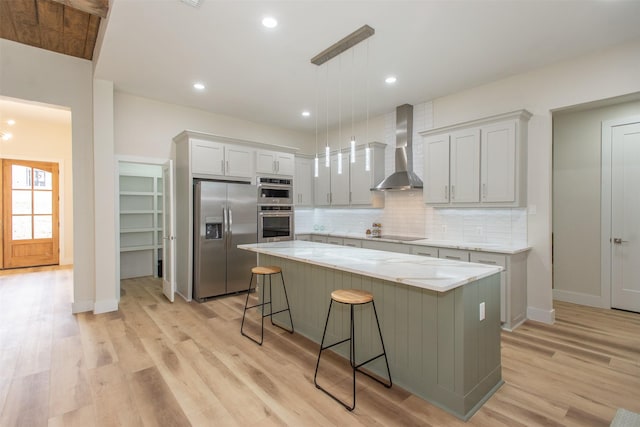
column 406, row 214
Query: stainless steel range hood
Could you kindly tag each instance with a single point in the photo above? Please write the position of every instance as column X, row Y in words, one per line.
column 403, row 178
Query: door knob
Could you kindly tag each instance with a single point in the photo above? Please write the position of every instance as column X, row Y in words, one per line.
column 619, row 241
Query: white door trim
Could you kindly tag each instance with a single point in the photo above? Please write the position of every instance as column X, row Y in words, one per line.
column 605, row 211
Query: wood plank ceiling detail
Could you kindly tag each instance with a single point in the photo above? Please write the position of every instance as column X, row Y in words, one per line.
column 69, row 27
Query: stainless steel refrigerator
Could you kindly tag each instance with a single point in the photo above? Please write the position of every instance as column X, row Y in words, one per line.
column 225, row 216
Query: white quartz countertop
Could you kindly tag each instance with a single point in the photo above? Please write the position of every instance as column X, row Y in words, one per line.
column 469, row 246
column 428, row 273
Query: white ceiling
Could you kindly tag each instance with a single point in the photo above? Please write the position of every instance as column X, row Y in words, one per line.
column 159, row 48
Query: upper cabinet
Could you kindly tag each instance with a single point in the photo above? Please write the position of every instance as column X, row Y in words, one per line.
column 302, row 182
column 219, row 159
column 351, row 187
column 275, row 163
column 478, row 163
column 366, row 172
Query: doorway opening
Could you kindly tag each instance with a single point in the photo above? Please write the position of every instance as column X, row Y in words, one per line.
column 582, row 220
column 36, row 203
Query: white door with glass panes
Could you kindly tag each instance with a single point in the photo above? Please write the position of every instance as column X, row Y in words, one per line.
column 30, row 213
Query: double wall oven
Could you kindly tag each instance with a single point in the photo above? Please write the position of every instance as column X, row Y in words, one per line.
column 275, row 209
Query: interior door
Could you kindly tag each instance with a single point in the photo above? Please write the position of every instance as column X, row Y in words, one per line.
column 625, row 217
column 168, row 232
column 30, row 213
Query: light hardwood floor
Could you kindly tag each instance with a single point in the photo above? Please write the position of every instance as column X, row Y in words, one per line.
column 154, row 363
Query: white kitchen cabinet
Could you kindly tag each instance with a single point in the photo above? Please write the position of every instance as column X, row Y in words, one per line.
column 454, row 254
column 424, row 251
column 335, row 240
column 275, row 163
column 436, row 169
column 322, row 185
column 302, row 181
column 477, row 163
column 339, row 181
column 364, row 178
column 211, row 158
column 386, row 246
column 465, row 166
column 498, row 179
column 354, row 243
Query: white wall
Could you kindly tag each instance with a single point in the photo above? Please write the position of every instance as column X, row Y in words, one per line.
column 577, row 171
column 48, row 140
column 598, row 76
column 34, row 74
column 145, row 128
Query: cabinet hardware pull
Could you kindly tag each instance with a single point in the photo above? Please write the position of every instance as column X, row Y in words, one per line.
column 453, row 192
column 452, row 257
column 222, row 166
column 227, row 166
column 446, row 193
column 484, row 191
column 486, row 262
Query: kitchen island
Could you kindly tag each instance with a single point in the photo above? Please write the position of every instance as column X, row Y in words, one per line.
column 430, row 313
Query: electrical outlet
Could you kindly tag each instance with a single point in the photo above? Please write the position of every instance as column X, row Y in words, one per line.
column 481, row 311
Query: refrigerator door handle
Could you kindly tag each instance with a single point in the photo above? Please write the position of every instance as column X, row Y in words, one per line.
column 230, row 224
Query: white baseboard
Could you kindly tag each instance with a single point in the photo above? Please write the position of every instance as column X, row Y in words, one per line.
column 578, row 298
column 81, row 306
column 541, row 315
column 105, row 306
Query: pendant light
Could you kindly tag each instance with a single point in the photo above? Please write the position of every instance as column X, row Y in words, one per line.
column 367, row 150
column 353, row 81
column 327, row 150
column 340, row 115
column 315, row 160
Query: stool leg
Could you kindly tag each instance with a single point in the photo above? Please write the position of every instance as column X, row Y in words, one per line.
column 351, row 360
column 245, row 311
column 246, row 303
column 384, row 353
column 286, row 298
column 352, row 357
column 324, row 333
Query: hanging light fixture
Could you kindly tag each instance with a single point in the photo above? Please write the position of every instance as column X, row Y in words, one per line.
column 315, row 160
column 332, row 51
column 340, row 116
column 367, row 150
column 353, row 78
column 327, row 150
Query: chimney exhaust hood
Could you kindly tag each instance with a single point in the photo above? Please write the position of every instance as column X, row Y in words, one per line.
column 403, row 178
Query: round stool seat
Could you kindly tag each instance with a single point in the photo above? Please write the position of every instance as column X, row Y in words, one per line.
column 272, row 269
column 351, row 296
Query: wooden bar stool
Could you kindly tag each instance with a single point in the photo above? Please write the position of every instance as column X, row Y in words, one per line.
column 265, row 271
column 352, row 297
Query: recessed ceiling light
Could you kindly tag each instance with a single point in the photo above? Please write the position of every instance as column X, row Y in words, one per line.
column 198, row 86
column 11, row 122
column 390, row 80
column 306, row 113
column 269, row 22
